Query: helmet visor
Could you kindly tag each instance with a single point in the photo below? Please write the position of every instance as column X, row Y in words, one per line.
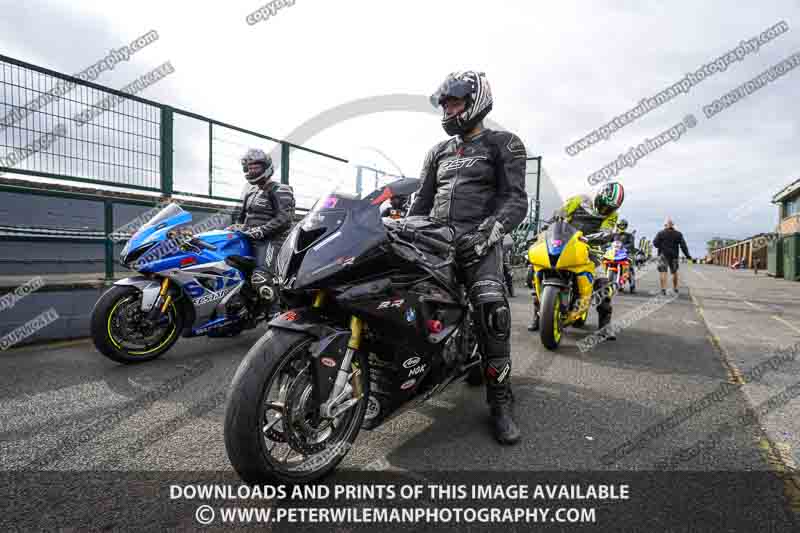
column 450, row 88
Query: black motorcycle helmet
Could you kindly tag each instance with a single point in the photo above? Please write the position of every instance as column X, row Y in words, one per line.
column 264, row 161
column 474, row 88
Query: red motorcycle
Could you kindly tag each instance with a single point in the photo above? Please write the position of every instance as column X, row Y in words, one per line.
column 617, row 265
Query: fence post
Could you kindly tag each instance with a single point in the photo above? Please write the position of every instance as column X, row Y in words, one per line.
column 285, row 148
column 166, row 151
column 210, row 157
column 108, row 208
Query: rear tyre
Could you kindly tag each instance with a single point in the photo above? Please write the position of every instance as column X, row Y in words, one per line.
column 550, row 317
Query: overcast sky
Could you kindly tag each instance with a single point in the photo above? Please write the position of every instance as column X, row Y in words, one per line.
column 557, row 70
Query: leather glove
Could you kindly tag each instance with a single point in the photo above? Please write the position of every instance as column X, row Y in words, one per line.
column 235, row 227
column 255, row 234
column 475, row 244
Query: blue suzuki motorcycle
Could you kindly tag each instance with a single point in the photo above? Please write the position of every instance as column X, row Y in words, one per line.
column 188, row 285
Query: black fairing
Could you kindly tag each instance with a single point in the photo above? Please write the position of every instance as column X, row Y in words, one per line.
column 343, row 238
column 407, row 295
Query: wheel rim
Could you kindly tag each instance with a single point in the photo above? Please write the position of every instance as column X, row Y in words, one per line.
column 126, row 332
column 290, row 441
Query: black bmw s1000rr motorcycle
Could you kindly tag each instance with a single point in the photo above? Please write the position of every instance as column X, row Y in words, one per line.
column 378, row 323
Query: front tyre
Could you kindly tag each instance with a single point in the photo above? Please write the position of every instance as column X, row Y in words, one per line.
column 551, row 321
column 121, row 332
column 270, row 434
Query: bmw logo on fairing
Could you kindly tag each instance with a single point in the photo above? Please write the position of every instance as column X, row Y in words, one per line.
column 411, row 315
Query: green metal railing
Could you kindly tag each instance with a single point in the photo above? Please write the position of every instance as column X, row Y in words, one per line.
column 136, row 144
column 530, row 227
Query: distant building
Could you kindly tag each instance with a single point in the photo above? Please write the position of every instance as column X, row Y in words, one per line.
column 788, row 200
column 718, row 242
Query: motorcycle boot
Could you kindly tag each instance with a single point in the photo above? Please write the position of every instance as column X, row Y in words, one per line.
column 494, row 330
column 584, row 298
column 500, row 398
column 534, row 325
column 604, row 322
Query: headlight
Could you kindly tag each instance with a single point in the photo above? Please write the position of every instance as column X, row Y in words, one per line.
column 128, row 258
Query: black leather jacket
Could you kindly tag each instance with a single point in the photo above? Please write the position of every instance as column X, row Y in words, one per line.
column 268, row 214
column 465, row 182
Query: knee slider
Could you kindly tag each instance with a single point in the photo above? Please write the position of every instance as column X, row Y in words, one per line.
column 490, row 305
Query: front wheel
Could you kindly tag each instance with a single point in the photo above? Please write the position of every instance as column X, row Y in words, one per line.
column 270, row 430
column 121, row 332
column 551, row 321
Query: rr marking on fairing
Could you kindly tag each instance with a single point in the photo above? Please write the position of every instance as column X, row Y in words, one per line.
column 390, row 303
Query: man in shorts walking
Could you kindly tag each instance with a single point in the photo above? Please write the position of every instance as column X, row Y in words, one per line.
column 667, row 242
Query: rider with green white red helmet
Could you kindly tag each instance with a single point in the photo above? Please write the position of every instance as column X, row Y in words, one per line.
column 596, row 216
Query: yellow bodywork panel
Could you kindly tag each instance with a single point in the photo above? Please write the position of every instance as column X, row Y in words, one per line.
column 574, row 258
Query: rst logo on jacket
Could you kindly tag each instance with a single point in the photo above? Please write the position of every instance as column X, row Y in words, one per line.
column 461, row 162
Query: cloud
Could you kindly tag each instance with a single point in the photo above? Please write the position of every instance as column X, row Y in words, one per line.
column 558, row 71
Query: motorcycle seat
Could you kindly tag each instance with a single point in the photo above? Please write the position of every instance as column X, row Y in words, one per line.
column 244, row 263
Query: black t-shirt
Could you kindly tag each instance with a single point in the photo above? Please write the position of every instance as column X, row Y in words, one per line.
column 668, row 240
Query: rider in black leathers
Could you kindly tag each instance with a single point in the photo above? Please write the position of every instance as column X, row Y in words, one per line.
column 476, row 183
column 266, row 217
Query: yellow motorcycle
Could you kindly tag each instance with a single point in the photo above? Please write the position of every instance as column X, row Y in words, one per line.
column 563, row 279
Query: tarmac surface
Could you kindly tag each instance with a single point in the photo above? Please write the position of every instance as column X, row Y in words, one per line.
column 627, row 405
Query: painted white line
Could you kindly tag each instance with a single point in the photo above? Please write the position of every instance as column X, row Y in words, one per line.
column 779, row 319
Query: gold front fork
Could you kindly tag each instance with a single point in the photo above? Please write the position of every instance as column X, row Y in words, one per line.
column 319, row 300
column 162, row 292
column 356, row 328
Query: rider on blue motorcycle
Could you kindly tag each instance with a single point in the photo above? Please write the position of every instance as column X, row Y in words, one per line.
column 266, row 217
